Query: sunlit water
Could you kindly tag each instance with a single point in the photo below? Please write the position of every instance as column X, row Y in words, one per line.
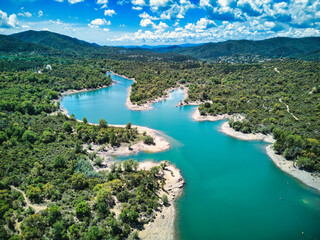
column 233, row 190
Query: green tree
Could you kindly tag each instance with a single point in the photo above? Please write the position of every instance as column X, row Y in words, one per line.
column 34, row 194
column 128, row 126
column 79, row 181
column 67, row 127
column 82, row 210
column 59, row 162
column 54, row 214
column 94, row 233
column 33, row 227
column 102, row 123
column 148, row 140
column 29, row 137
column 78, row 147
column 3, row 137
column 59, row 231
column 165, row 199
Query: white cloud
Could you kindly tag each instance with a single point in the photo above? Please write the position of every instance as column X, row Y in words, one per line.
column 40, row 13
column 102, row 2
column 75, row 1
column 137, row 8
column 25, row 14
column 98, row 22
column 161, row 26
column 269, row 24
column 147, row 16
column 109, row 12
column 8, row 22
column 56, row 22
column 121, row 2
column 177, row 10
column 201, row 25
column 106, row 29
column 146, row 22
column 138, row 2
column 156, row 4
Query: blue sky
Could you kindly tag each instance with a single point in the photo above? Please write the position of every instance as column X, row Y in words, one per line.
column 163, row 22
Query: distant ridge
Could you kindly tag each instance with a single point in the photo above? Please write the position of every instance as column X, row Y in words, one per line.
column 14, row 45
column 52, row 44
column 56, row 41
column 302, row 48
column 46, row 42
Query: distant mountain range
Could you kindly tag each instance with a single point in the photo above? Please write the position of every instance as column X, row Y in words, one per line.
column 53, row 43
column 301, row 48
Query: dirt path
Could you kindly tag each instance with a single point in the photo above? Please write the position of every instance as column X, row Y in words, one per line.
column 288, row 110
column 36, row 207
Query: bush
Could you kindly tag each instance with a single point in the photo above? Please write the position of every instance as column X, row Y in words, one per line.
column 82, row 210
column 83, row 166
column 102, row 123
column 123, row 196
column 59, row 162
column 165, row 199
column 3, row 137
column 128, row 126
column 306, row 164
column 98, row 161
column 148, row 140
column 79, row 181
column 67, row 127
column 29, row 136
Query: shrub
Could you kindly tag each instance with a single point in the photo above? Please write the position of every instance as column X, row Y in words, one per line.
column 59, row 162
column 67, row 127
column 148, row 140
column 165, row 199
column 98, row 161
column 82, row 210
column 306, row 164
column 83, row 166
column 29, row 137
column 3, row 137
column 102, row 123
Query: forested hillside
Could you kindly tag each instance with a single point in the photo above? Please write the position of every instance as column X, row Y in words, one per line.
column 253, row 51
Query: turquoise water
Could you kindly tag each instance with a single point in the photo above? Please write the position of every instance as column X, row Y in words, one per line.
column 233, row 190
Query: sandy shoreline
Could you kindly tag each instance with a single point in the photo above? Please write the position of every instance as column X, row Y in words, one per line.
column 73, row 91
column 148, row 104
column 309, row 179
column 162, row 228
column 225, row 128
column 197, row 117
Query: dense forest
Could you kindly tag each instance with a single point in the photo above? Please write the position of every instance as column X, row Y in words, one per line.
column 307, row 48
column 48, row 186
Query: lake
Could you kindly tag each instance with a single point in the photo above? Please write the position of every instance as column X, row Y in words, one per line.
column 233, row 190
